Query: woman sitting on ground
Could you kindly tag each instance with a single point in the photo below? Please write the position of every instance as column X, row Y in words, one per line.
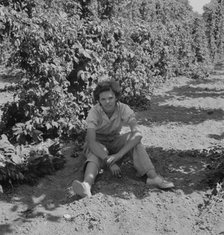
column 105, row 146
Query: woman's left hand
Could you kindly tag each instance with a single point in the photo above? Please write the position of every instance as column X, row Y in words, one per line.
column 112, row 159
column 115, row 169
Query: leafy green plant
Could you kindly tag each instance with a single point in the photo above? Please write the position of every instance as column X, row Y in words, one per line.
column 213, row 18
column 19, row 164
column 139, row 50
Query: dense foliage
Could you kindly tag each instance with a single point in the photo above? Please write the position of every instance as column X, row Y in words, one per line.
column 214, row 18
column 140, row 43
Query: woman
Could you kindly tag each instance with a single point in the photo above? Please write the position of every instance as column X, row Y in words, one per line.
column 105, row 146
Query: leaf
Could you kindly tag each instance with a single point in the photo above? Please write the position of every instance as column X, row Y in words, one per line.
column 132, row 55
column 17, row 42
column 45, row 109
column 21, row 176
column 85, row 53
column 29, row 127
column 55, row 124
column 128, row 89
column 26, row 113
column 63, row 14
column 2, row 160
column 48, row 125
column 71, row 126
column 16, row 159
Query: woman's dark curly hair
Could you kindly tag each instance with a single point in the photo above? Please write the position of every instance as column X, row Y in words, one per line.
column 106, row 85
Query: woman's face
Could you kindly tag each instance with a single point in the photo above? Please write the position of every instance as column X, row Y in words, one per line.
column 107, row 99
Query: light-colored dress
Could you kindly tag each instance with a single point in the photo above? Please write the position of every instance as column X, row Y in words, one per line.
column 109, row 136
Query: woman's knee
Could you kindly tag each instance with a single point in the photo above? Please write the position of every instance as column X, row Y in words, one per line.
column 139, row 146
column 99, row 146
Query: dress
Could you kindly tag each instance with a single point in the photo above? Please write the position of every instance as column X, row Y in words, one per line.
column 111, row 140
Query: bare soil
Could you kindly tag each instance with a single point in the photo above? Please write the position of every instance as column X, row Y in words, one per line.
column 185, row 115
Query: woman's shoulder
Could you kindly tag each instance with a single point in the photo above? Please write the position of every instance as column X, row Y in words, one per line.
column 94, row 113
column 123, row 106
column 95, row 108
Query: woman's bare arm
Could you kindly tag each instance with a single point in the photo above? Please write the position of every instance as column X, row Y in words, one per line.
column 94, row 146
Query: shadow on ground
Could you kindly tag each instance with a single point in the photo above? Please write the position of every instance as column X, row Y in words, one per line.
column 194, row 103
column 187, row 169
column 43, row 198
column 5, row 229
column 217, row 137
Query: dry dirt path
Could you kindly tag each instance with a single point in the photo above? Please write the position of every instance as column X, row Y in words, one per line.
column 185, row 115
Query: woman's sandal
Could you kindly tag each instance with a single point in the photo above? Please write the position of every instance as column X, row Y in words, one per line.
column 160, row 182
column 81, row 188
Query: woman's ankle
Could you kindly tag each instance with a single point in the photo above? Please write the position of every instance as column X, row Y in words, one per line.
column 88, row 184
column 152, row 174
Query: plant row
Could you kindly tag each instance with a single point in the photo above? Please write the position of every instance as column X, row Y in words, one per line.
column 139, row 43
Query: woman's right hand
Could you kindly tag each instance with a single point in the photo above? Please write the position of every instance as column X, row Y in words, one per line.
column 115, row 170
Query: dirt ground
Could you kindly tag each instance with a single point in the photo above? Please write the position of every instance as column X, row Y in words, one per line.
column 185, row 115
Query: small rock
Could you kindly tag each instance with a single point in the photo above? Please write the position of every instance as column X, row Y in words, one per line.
column 67, row 217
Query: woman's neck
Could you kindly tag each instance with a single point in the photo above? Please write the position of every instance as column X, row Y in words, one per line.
column 110, row 114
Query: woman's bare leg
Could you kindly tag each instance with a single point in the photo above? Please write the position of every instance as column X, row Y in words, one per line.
column 90, row 173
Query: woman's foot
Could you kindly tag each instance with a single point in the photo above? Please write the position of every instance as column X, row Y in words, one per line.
column 82, row 189
column 160, row 182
